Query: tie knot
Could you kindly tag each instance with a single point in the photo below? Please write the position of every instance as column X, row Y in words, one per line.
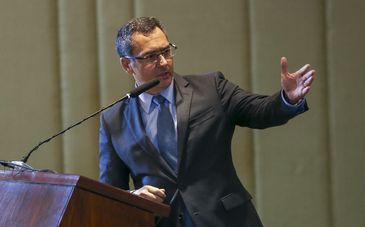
column 159, row 99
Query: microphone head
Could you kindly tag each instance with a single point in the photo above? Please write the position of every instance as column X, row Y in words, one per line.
column 144, row 87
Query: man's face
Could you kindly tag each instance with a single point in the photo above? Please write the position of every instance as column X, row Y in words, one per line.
column 144, row 70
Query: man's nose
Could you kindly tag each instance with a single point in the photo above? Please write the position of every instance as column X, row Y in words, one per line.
column 162, row 60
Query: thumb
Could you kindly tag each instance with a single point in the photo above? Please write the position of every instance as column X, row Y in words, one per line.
column 284, row 66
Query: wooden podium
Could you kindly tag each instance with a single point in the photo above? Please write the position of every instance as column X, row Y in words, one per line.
column 47, row 199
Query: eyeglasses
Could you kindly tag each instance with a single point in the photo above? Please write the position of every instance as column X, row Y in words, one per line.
column 153, row 57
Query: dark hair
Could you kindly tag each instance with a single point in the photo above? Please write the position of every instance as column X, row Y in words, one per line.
column 144, row 25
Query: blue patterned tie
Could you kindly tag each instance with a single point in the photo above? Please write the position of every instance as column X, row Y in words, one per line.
column 166, row 133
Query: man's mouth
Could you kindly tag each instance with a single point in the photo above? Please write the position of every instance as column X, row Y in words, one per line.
column 164, row 75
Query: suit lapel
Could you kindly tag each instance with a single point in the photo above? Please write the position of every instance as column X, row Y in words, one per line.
column 183, row 101
column 135, row 123
column 137, row 130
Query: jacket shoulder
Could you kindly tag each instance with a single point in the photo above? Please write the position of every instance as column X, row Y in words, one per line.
column 204, row 76
column 114, row 111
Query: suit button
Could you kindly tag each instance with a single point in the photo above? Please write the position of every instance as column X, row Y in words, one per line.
column 196, row 213
column 181, row 217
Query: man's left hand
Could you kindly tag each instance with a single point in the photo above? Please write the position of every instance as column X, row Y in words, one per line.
column 296, row 85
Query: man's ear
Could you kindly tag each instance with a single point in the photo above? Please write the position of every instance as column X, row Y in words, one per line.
column 126, row 65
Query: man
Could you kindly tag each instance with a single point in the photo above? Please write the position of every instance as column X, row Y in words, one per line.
column 190, row 168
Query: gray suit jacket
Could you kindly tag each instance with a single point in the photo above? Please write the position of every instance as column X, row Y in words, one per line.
column 208, row 109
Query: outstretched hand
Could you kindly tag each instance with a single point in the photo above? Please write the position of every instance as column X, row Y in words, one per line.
column 296, row 85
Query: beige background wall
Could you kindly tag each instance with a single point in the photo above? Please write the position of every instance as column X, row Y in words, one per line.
column 58, row 64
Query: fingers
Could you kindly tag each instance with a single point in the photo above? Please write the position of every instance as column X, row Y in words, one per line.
column 308, row 78
column 284, row 66
column 151, row 193
column 305, row 90
column 302, row 71
column 160, row 192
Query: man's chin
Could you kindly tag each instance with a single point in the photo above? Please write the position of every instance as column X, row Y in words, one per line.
column 165, row 82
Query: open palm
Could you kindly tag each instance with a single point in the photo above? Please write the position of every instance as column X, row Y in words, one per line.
column 296, row 85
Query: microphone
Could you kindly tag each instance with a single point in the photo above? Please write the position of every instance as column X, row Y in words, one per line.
column 132, row 94
column 144, row 87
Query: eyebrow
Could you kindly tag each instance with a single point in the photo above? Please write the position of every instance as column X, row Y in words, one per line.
column 154, row 51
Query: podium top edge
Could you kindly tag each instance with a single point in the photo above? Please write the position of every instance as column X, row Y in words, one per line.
column 84, row 183
column 39, row 177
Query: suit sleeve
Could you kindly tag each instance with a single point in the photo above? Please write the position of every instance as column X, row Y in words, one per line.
column 113, row 171
column 253, row 110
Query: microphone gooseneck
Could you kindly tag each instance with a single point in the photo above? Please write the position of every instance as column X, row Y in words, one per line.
column 144, row 87
column 133, row 93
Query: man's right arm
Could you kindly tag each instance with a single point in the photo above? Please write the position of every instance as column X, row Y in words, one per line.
column 112, row 169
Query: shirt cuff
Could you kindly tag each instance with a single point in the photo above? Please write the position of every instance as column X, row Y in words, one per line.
column 300, row 103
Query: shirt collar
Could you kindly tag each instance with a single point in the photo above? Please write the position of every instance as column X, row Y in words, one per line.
column 146, row 99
